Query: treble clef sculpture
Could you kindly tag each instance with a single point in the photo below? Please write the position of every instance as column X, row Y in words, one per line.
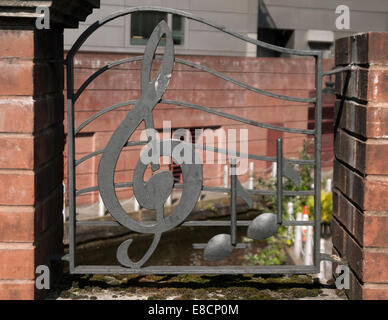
column 153, row 193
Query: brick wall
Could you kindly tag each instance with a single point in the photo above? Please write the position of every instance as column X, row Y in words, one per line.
column 360, row 224
column 31, row 157
column 288, row 76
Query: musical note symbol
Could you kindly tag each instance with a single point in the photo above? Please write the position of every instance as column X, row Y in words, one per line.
column 222, row 245
column 153, row 193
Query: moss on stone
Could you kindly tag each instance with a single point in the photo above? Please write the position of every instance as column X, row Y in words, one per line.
column 187, row 286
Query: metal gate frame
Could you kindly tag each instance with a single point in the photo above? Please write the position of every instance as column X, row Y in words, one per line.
column 150, row 98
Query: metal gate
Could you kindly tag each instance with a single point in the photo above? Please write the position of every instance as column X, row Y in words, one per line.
column 153, row 193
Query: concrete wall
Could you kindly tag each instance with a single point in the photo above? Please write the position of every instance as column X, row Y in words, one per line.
column 241, row 16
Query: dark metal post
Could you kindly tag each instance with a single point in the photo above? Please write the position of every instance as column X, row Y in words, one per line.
column 233, row 197
column 317, row 156
column 71, row 163
column 279, row 176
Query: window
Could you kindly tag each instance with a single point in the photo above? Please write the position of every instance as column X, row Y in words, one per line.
column 143, row 23
column 178, row 29
column 278, row 37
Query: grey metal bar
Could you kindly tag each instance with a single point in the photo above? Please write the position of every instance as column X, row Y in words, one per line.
column 284, row 269
column 89, row 156
column 279, row 179
column 233, row 198
column 201, row 246
column 287, row 193
column 237, row 118
column 102, row 112
column 211, row 189
column 101, row 71
column 202, row 147
column 71, row 168
column 338, row 70
column 96, row 153
column 208, row 148
column 201, row 108
column 198, row 67
column 243, row 85
column 200, row 223
column 317, row 157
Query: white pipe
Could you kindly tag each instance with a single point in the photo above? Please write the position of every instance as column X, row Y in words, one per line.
column 251, row 173
column 325, row 273
column 308, row 252
column 226, row 176
column 101, row 207
column 328, row 185
column 322, row 269
column 290, row 212
column 305, row 217
column 274, row 170
column 298, row 237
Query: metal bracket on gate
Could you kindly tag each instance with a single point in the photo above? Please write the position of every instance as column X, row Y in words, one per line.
column 334, row 258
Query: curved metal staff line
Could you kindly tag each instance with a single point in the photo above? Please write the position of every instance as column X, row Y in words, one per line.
column 196, row 66
column 205, row 148
column 95, row 188
column 102, row 112
column 243, row 85
column 201, row 108
column 236, row 118
column 101, row 71
column 208, row 188
column 88, row 32
column 96, row 153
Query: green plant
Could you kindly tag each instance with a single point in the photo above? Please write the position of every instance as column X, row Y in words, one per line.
column 273, row 254
column 326, row 206
column 305, row 178
column 305, row 183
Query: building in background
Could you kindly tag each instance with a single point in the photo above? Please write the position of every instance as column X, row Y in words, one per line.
column 298, row 24
column 311, row 24
column 129, row 34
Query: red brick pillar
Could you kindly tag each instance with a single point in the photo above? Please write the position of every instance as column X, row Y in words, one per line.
column 31, row 161
column 360, row 224
column 32, row 141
